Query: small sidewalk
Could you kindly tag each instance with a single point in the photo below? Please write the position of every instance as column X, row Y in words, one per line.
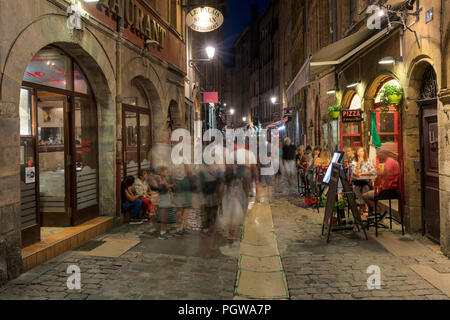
column 261, row 274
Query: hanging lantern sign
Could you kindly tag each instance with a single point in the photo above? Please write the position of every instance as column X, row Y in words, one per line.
column 204, row 19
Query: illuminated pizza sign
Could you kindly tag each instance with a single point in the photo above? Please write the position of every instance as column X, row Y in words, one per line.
column 349, row 116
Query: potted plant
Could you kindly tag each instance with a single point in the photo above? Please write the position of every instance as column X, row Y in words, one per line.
column 334, row 111
column 391, row 95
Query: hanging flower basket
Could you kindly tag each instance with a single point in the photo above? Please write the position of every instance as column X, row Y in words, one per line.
column 395, row 99
column 391, row 95
column 334, row 111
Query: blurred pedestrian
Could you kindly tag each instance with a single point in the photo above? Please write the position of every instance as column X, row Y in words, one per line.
column 165, row 201
column 289, row 160
column 182, row 194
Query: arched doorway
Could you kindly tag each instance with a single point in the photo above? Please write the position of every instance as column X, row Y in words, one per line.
column 385, row 129
column 427, row 101
column 58, row 145
column 137, row 130
column 388, row 121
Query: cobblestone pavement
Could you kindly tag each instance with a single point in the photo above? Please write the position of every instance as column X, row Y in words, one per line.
column 317, row 270
column 178, row 269
column 154, row 269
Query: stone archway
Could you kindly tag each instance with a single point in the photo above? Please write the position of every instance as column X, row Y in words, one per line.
column 85, row 48
column 97, row 66
column 154, row 102
column 412, row 143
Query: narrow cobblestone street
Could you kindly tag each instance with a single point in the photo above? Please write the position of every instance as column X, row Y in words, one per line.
column 178, row 269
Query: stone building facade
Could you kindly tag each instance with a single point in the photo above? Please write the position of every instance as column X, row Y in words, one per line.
column 422, row 72
column 130, row 56
column 254, row 70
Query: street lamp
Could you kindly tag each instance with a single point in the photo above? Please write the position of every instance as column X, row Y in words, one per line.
column 274, row 100
column 210, row 52
column 232, row 111
column 244, row 119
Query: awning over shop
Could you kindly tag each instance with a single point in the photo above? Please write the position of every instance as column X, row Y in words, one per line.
column 332, row 55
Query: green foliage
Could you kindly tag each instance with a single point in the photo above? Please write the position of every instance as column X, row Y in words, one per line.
column 387, row 91
column 335, row 108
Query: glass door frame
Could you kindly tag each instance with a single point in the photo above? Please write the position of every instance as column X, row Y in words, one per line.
column 138, row 110
column 70, row 147
column 32, row 234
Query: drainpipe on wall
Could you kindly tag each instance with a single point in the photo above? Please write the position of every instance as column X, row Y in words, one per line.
column 119, row 152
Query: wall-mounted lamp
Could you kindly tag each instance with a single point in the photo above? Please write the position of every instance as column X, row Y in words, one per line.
column 353, row 85
column 210, row 52
column 390, row 60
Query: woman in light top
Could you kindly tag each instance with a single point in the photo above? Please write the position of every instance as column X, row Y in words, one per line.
column 363, row 171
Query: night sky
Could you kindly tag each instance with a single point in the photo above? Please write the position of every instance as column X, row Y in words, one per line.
column 238, row 18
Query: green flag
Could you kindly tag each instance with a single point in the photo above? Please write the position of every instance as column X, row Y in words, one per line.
column 373, row 131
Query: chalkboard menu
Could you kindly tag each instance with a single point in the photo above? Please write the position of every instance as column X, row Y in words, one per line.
column 338, row 174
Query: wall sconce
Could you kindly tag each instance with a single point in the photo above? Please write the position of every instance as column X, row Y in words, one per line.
column 390, row 60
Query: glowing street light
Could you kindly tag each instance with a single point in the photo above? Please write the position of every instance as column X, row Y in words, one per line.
column 274, row 100
column 204, row 18
column 210, row 52
column 244, row 119
column 232, row 111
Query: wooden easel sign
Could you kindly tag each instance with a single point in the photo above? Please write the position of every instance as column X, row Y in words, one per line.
column 338, row 174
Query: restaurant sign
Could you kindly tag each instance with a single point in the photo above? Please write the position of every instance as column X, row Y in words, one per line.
column 204, row 19
column 349, row 116
column 210, row 97
column 139, row 21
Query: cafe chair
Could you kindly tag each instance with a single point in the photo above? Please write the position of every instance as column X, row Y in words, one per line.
column 389, row 195
column 320, row 172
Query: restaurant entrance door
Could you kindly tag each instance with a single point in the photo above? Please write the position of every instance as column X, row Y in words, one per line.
column 430, row 154
column 58, row 146
column 430, row 170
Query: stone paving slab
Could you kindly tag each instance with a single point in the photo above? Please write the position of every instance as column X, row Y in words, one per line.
column 437, row 279
column 260, row 277
column 260, row 264
column 401, row 248
column 261, row 285
column 112, row 248
column 258, row 251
